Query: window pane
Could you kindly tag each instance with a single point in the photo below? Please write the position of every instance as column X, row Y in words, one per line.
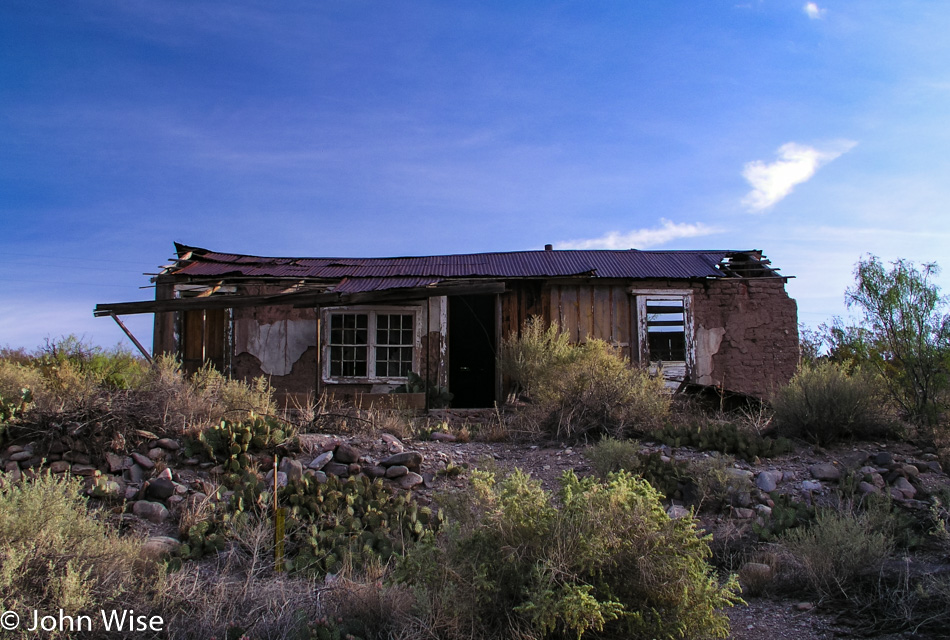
column 348, row 344
column 393, row 362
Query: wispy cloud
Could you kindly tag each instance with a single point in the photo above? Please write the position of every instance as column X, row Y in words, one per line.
column 796, row 164
column 813, row 11
column 642, row 238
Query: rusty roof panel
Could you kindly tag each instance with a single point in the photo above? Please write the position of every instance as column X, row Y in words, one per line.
column 359, row 285
column 519, row 264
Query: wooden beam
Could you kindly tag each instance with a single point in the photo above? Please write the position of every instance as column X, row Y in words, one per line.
column 299, row 299
column 132, row 338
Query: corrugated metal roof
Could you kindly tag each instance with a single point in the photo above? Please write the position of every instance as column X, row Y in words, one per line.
column 359, row 285
column 519, row 264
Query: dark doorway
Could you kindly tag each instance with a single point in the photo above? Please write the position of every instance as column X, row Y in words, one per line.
column 472, row 351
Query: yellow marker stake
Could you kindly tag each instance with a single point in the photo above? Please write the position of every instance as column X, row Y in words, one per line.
column 278, row 528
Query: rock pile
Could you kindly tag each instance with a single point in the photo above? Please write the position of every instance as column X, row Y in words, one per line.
column 155, row 478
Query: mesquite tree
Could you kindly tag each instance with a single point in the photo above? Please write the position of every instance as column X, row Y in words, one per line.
column 907, row 329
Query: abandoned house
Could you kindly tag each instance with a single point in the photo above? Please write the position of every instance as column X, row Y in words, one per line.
column 359, row 326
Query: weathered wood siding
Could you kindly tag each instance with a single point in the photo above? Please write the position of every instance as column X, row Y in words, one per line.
column 163, row 335
column 603, row 311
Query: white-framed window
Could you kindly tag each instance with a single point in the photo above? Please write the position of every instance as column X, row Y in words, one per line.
column 370, row 344
column 665, row 330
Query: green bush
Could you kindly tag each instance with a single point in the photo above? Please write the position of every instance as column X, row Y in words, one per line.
column 608, row 562
column 825, row 403
column 582, row 390
column 610, row 455
column 533, row 359
column 75, row 372
column 55, row 554
column 15, row 377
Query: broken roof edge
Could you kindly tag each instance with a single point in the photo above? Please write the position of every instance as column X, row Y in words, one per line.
column 185, row 253
column 302, row 299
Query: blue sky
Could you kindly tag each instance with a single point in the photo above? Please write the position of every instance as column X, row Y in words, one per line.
column 817, row 132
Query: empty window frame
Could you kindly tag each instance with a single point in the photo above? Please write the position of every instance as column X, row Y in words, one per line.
column 375, row 345
column 665, row 328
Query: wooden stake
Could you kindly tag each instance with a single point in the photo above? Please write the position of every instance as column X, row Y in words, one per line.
column 278, row 528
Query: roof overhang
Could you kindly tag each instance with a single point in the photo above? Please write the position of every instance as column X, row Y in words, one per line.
column 302, row 299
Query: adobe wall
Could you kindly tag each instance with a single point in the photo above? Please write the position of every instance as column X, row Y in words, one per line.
column 746, row 334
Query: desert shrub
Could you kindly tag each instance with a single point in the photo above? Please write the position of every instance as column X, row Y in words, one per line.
column 608, row 562
column 705, row 484
column 940, row 518
column 15, row 377
column 230, row 396
column 846, row 556
column 836, row 549
column 75, row 371
column 715, row 483
column 610, row 455
column 582, row 390
column 55, row 554
column 824, row 403
column 533, row 359
column 204, row 399
column 600, row 392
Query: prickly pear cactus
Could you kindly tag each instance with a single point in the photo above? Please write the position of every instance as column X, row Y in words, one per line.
column 231, row 443
column 354, row 521
column 349, row 522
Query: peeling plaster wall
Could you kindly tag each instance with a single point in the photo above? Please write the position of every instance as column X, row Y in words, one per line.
column 707, row 345
column 277, row 345
column 278, row 342
column 300, row 380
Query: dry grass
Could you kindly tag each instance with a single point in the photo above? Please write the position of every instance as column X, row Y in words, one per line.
column 56, row 554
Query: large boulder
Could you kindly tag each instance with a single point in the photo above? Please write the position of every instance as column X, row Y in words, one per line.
column 346, row 454
column 410, row 459
column 293, row 469
column 317, row 463
column 160, row 489
column 824, row 471
column 768, row 481
column 409, row 480
column 154, row 512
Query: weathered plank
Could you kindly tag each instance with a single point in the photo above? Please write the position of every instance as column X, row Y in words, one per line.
column 568, row 312
column 602, row 325
column 585, row 312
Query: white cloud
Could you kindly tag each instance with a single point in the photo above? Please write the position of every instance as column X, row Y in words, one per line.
column 642, row 238
column 796, row 164
column 813, row 11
